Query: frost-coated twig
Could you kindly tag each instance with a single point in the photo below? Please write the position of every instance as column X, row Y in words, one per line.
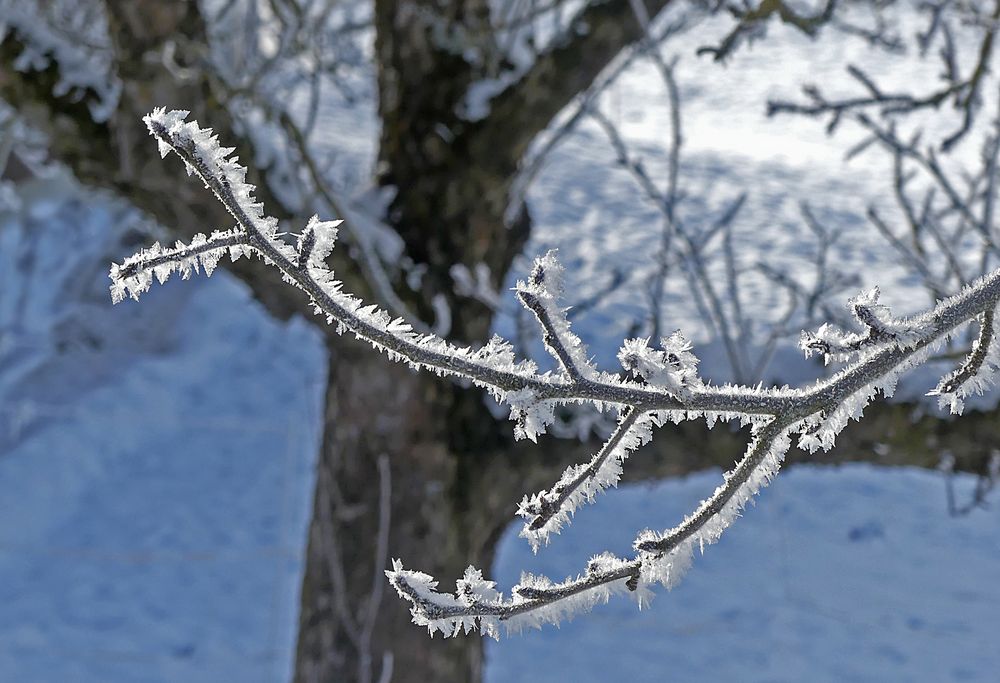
column 539, row 295
column 547, row 511
column 977, row 372
column 665, row 386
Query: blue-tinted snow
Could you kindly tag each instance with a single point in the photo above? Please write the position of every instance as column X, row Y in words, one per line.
column 837, row 574
column 156, row 464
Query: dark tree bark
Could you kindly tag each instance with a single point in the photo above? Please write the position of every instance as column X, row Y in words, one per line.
column 456, row 473
column 452, row 182
column 453, row 178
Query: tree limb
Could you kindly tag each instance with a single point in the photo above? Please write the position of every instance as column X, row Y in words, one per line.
column 595, row 37
column 817, row 412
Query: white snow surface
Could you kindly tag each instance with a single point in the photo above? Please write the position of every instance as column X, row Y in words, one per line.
column 156, row 464
column 854, row 573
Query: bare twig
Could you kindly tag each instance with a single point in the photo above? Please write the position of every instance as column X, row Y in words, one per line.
column 753, row 20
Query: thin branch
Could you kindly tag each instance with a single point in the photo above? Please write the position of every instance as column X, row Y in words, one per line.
column 668, row 388
column 986, row 480
column 890, row 103
column 969, row 102
column 966, row 92
column 562, row 344
column 693, row 260
column 331, row 548
column 763, row 444
column 975, row 359
column 593, row 38
column 754, row 19
column 930, row 164
column 906, row 252
column 161, row 262
column 546, row 511
column 535, row 159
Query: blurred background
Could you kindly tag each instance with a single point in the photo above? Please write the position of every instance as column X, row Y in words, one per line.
column 207, row 485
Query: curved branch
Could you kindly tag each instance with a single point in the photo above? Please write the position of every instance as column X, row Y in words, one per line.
column 672, row 391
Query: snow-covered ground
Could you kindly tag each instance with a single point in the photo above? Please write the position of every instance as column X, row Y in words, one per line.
column 150, row 532
column 156, row 464
column 854, row 573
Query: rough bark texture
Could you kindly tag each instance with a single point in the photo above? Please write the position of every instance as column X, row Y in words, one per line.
column 463, row 474
column 452, row 182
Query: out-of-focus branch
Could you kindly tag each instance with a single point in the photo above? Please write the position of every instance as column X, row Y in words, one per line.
column 751, row 21
column 966, row 92
column 599, row 32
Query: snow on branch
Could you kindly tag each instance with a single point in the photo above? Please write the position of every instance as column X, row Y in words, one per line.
column 977, row 373
column 546, row 512
column 672, row 368
column 540, row 295
column 664, row 385
column 135, row 275
column 880, row 328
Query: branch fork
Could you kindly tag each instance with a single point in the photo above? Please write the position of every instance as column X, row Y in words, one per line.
column 664, row 387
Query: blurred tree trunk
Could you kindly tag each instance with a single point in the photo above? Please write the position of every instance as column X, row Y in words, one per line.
column 449, row 208
column 455, row 473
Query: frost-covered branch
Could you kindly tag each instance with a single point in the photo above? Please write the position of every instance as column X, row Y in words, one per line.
column 539, row 295
column 664, row 386
column 978, row 371
column 547, row 511
column 880, row 328
column 134, row 276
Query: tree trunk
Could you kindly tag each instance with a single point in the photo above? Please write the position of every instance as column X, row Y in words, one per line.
column 349, row 628
column 449, row 206
column 452, row 181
